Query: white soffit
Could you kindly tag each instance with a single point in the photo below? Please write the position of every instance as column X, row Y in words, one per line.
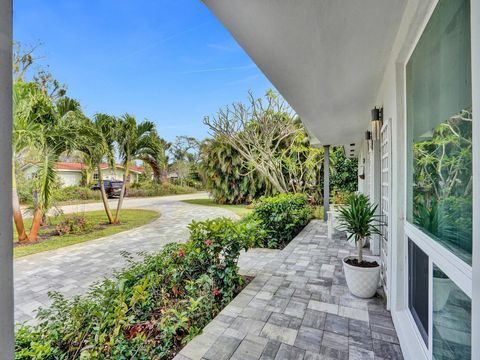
column 326, row 57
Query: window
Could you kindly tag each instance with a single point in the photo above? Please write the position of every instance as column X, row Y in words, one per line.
column 439, row 123
column 418, row 288
column 452, row 313
column 95, row 176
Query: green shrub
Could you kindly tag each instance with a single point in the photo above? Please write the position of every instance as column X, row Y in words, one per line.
column 146, row 189
column 282, row 217
column 74, row 192
column 340, row 197
column 149, row 309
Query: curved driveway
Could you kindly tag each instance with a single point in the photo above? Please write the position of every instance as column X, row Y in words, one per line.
column 72, row 269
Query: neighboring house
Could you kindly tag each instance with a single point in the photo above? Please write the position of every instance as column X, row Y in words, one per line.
column 172, row 176
column 418, row 63
column 72, row 173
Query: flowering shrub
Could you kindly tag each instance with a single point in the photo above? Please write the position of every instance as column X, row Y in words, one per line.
column 219, row 242
column 149, row 309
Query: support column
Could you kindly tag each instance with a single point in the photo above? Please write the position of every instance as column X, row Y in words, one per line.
column 326, row 181
column 6, row 237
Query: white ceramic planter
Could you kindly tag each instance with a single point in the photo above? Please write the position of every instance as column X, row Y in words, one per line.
column 352, row 242
column 362, row 282
column 442, row 292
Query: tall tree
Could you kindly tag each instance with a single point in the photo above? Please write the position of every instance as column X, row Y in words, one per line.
column 60, row 129
column 97, row 146
column 134, row 143
column 227, row 176
column 43, row 130
column 158, row 161
column 264, row 133
column 27, row 135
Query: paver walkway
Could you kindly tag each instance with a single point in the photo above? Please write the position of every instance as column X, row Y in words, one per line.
column 299, row 307
column 72, row 269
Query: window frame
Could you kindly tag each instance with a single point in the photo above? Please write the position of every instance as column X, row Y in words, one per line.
column 460, row 272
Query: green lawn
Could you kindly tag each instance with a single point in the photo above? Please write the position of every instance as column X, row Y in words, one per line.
column 130, row 218
column 240, row 210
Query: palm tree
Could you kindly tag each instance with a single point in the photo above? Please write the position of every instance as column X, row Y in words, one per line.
column 60, row 127
column 27, row 136
column 134, row 143
column 158, row 161
column 43, row 129
column 96, row 146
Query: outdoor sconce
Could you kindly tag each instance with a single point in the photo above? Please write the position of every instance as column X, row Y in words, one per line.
column 361, row 173
column 368, row 137
column 377, row 117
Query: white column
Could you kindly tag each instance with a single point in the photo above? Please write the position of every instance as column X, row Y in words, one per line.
column 6, row 242
column 326, row 181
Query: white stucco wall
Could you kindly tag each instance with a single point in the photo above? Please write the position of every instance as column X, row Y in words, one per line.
column 117, row 174
column 69, row 178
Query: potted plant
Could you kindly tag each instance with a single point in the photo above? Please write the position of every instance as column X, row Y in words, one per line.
column 442, row 286
column 359, row 220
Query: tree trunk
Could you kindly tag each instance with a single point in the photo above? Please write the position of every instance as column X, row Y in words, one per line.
column 104, row 196
column 122, row 195
column 37, row 219
column 17, row 211
column 360, row 250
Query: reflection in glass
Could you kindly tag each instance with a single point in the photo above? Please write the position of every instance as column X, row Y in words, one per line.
column 451, row 319
column 442, row 190
column 439, row 124
column 418, row 288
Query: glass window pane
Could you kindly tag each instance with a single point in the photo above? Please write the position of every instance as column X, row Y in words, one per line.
column 439, row 123
column 418, row 287
column 451, row 319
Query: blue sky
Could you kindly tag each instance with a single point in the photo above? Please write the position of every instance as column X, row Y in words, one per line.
column 171, row 62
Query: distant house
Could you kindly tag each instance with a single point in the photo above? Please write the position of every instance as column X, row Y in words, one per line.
column 71, row 173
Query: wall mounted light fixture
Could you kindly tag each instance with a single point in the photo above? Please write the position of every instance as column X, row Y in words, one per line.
column 377, row 119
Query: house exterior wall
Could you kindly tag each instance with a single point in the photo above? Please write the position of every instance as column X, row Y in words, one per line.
column 69, row 178
column 29, row 172
column 74, row 178
column 392, row 97
column 117, row 174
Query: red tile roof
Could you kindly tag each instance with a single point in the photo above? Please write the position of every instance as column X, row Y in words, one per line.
column 70, row 166
column 135, row 168
column 76, row 166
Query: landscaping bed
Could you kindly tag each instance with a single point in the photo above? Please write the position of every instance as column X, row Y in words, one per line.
column 65, row 230
column 154, row 306
column 150, row 309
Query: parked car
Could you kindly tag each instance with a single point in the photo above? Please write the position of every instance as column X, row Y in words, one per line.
column 112, row 187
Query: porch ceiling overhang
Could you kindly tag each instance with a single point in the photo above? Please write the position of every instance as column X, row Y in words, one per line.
column 326, row 57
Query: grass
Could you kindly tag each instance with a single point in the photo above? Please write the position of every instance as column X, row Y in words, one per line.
column 240, row 210
column 130, row 218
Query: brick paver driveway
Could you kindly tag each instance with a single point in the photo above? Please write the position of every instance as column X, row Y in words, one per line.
column 72, row 269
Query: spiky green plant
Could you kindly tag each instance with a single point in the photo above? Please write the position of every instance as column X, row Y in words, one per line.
column 359, row 220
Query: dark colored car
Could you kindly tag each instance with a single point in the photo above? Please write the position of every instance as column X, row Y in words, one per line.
column 112, row 187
